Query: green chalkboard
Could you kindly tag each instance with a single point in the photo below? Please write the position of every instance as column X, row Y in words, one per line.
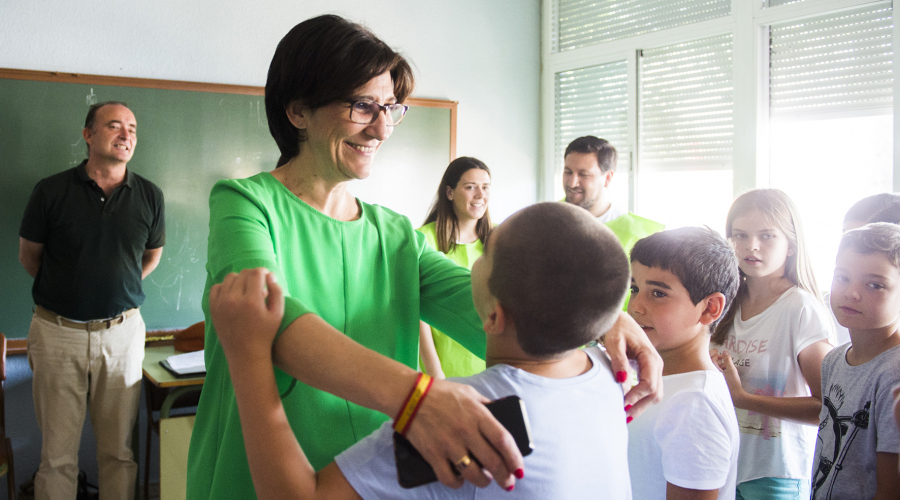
column 189, row 136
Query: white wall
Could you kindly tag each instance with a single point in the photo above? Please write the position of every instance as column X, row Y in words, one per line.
column 484, row 54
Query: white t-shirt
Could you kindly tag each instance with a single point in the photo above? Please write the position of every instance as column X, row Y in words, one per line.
column 577, row 429
column 612, row 213
column 689, row 439
column 841, row 334
column 765, row 350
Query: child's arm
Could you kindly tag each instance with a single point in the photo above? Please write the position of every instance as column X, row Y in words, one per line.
column 886, row 476
column 246, row 325
column 804, row 410
column 430, row 361
column 678, row 493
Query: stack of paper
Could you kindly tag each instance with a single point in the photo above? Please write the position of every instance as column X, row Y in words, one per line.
column 182, row 365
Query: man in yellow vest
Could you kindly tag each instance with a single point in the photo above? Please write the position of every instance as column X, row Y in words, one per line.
column 590, row 164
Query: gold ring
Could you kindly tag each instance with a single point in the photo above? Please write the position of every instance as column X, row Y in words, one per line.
column 463, row 462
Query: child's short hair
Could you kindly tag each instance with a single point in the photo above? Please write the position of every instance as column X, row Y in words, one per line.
column 866, row 208
column 560, row 274
column 890, row 213
column 880, row 237
column 702, row 260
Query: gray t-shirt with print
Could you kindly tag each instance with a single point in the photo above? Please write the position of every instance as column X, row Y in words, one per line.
column 856, row 423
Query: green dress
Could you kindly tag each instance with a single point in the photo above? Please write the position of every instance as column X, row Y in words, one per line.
column 373, row 279
column 456, row 360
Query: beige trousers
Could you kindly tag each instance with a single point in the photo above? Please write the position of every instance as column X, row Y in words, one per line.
column 77, row 370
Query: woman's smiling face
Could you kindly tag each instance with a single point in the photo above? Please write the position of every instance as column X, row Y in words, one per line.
column 471, row 195
column 341, row 148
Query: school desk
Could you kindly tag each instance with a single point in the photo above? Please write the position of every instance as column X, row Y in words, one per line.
column 163, row 390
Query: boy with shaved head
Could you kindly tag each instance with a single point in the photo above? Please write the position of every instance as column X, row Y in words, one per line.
column 551, row 279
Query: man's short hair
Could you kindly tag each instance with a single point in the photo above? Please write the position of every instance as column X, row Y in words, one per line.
column 91, row 118
column 560, row 275
column 607, row 157
column 702, row 260
column 866, row 208
column 880, row 237
column 92, row 113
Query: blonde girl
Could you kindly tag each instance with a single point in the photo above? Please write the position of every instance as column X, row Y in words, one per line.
column 772, row 342
column 457, row 225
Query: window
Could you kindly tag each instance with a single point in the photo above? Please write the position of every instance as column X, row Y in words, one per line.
column 594, row 101
column 580, row 23
column 831, row 128
column 686, row 132
column 725, row 96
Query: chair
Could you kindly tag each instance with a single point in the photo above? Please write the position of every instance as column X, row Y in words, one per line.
column 6, row 452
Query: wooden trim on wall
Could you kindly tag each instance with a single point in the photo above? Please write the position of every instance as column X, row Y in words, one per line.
column 221, row 88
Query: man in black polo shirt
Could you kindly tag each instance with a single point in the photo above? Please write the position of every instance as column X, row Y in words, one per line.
column 89, row 236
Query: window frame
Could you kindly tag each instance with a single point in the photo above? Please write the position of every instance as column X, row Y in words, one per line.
column 749, row 23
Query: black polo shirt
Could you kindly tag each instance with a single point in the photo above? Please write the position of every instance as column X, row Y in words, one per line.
column 93, row 245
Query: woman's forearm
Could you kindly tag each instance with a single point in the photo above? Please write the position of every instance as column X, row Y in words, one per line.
column 315, row 353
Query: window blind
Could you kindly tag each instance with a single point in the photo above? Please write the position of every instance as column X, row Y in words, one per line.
column 686, row 105
column 841, row 62
column 593, row 101
column 579, row 23
column 776, row 3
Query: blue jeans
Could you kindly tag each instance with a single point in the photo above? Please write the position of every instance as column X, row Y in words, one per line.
column 773, row 488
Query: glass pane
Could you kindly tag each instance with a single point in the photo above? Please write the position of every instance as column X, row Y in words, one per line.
column 580, row 23
column 686, row 197
column 686, row 105
column 594, row 101
column 826, row 166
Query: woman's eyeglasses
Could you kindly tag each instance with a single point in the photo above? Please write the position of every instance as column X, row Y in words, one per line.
column 366, row 112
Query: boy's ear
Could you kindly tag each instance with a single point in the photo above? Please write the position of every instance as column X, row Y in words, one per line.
column 715, row 307
column 497, row 318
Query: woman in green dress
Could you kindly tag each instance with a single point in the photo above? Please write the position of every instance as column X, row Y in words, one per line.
column 357, row 279
column 458, row 225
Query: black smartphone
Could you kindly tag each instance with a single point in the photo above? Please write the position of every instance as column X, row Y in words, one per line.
column 413, row 470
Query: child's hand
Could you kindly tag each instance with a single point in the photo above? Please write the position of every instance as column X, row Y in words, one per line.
column 245, row 321
column 724, row 362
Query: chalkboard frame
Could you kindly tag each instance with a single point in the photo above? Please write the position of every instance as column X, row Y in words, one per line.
column 18, row 346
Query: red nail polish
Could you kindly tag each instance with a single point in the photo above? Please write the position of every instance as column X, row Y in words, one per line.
column 629, row 419
column 621, row 376
column 510, row 487
column 519, row 473
column 627, row 407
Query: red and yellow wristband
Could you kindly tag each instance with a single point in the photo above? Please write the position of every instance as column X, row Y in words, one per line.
column 413, row 401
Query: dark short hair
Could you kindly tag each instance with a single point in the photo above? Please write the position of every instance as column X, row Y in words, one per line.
column 91, row 118
column 703, row 261
column 866, row 208
column 879, row 237
column 560, row 275
column 323, row 60
column 442, row 212
column 607, row 157
column 890, row 213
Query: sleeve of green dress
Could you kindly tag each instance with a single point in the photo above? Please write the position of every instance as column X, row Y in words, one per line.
column 446, row 298
column 240, row 237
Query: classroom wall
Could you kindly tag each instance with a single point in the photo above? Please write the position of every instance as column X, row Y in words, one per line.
column 484, row 54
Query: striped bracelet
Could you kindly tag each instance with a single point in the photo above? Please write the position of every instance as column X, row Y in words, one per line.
column 413, row 400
